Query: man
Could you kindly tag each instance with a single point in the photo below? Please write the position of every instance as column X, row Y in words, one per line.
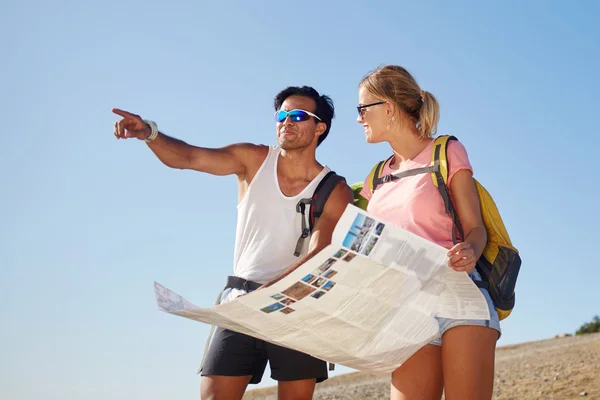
column 271, row 181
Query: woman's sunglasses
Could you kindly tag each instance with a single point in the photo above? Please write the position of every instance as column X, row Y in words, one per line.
column 295, row 115
column 362, row 109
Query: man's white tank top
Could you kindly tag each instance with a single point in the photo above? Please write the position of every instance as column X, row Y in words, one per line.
column 268, row 226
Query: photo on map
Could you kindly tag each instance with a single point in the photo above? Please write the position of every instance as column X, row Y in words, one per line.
column 340, row 253
column 357, row 236
column 278, row 296
column 287, row 301
column 370, row 243
column 310, row 278
column 325, row 266
column 318, row 294
column 319, row 282
column 272, row 307
column 328, row 285
column 287, row 310
column 329, row 273
column 298, row 291
column 349, row 257
column 379, row 228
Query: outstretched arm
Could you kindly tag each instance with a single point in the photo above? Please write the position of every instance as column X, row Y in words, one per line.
column 175, row 153
column 339, row 199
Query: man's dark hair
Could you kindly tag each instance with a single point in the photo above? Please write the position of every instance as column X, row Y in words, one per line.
column 325, row 109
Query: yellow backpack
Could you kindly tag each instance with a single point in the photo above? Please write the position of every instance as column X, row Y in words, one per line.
column 500, row 262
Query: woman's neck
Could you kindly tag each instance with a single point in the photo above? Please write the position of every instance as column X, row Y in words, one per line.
column 406, row 145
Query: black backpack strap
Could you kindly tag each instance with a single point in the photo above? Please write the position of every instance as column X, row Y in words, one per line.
column 320, row 196
column 316, row 204
column 445, row 192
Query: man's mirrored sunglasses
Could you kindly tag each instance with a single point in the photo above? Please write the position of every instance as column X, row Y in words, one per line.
column 295, row 115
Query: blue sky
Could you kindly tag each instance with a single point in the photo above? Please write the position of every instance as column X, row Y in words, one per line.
column 88, row 223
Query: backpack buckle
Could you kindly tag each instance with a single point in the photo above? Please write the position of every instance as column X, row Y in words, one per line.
column 386, row 178
column 301, row 206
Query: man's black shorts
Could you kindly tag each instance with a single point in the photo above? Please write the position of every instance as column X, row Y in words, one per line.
column 236, row 354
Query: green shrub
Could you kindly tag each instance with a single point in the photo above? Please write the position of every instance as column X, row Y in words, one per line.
column 590, row 327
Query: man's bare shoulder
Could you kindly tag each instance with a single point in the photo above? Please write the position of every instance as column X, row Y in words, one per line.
column 247, row 152
column 251, row 155
column 250, row 148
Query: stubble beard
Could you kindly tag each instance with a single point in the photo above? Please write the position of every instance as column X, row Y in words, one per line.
column 299, row 143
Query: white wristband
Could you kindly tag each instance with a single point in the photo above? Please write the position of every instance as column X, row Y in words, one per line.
column 154, row 129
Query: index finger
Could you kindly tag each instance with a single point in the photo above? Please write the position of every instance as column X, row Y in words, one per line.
column 124, row 113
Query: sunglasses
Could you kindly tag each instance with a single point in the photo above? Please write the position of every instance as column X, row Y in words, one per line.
column 361, row 109
column 295, row 115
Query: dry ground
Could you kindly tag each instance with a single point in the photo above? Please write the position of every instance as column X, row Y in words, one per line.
column 560, row 368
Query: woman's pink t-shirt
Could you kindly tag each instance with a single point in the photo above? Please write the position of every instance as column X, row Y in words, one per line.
column 414, row 203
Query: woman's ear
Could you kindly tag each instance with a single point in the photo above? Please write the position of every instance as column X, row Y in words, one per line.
column 389, row 109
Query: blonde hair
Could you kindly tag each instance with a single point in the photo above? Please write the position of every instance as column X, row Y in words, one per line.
column 395, row 84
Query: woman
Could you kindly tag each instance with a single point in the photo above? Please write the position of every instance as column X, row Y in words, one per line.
column 393, row 109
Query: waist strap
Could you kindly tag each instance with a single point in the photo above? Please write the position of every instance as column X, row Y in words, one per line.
column 235, row 282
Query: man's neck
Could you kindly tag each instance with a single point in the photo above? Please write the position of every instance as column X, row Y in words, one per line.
column 298, row 164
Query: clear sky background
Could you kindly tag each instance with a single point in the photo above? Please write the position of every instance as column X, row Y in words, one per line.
column 88, row 223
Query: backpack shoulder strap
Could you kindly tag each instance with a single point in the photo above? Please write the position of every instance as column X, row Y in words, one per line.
column 320, row 196
column 315, row 204
column 439, row 158
column 374, row 178
column 439, row 154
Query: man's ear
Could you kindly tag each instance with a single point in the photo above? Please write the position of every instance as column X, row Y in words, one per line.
column 321, row 128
